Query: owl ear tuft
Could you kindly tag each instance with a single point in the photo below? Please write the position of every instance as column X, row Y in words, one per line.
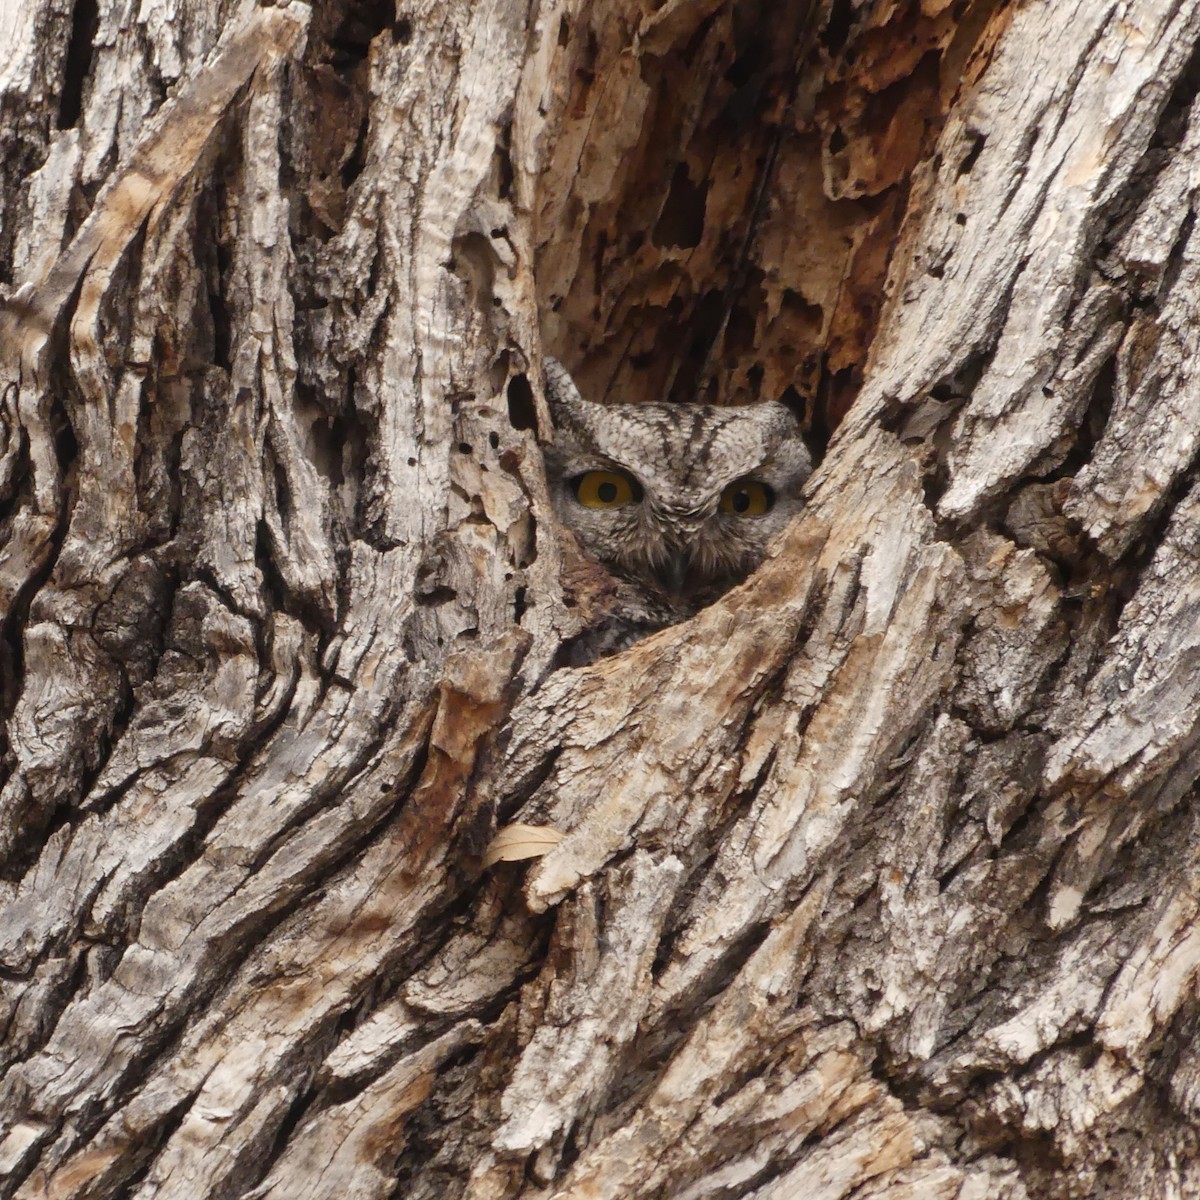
column 561, row 393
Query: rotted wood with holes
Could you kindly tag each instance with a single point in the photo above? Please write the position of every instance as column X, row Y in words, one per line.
column 323, row 877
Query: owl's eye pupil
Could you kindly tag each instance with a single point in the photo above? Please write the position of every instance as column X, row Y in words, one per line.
column 607, row 492
column 741, row 501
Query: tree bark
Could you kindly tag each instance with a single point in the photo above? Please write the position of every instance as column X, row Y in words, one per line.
column 877, row 878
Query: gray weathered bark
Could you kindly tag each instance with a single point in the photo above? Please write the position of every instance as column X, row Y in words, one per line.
column 878, row 878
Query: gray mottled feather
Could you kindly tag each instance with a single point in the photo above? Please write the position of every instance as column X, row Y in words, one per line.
column 683, row 456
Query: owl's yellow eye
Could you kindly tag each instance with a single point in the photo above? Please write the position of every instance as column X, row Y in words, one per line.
column 747, row 498
column 606, row 489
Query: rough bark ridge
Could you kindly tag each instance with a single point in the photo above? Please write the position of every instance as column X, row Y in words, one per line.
column 878, row 878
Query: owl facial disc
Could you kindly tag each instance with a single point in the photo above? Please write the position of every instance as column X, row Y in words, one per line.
column 684, row 498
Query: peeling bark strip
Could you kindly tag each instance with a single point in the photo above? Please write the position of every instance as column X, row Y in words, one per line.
column 876, row 879
column 130, row 198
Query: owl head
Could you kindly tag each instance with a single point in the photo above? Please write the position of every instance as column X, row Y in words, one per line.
column 683, row 497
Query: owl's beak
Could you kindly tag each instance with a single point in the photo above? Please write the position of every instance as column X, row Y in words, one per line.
column 674, row 572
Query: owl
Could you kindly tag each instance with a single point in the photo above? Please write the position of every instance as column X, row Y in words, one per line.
column 677, row 501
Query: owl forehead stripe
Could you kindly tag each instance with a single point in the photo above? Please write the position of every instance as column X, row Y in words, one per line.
column 694, row 437
column 741, row 442
column 685, row 453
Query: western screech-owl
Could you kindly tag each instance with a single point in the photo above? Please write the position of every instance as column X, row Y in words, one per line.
column 677, row 501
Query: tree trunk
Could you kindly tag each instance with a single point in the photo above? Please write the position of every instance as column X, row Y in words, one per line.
column 878, row 878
